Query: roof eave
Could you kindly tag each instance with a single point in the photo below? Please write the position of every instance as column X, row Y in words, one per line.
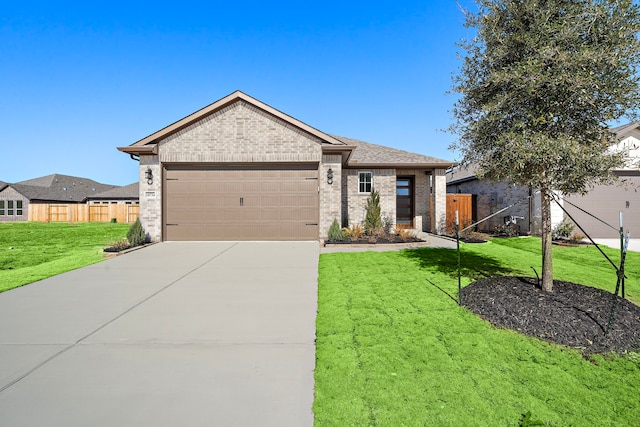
column 462, row 180
column 150, row 149
column 403, row 165
column 345, row 150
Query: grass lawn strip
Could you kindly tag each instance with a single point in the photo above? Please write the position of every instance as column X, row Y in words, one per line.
column 392, row 349
column 32, row 251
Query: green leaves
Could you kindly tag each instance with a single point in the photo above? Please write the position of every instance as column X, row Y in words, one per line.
column 539, row 84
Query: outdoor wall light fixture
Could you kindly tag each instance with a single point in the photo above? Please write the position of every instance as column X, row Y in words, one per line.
column 330, row 176
column 149, row 176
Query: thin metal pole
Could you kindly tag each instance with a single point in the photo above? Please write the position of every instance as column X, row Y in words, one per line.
column 458, row 249
column 621, row 255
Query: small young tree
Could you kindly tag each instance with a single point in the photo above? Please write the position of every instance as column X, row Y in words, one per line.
column 136, row 235
column 373, row 216
column 537, row 87
column 335, row 232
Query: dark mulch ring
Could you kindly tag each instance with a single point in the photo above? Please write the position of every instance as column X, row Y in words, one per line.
column 572, row 315
column 367, row 241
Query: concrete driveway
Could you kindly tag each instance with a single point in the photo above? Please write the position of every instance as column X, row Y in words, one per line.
column 200, row 333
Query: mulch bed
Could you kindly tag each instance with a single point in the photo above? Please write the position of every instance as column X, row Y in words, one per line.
column 366, row 241
column 572, row 315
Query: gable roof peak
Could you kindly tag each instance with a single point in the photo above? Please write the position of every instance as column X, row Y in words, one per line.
column 149, row 143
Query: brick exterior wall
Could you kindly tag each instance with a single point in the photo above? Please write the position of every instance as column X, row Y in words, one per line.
column 330, row 194
column 151, row 198
column 238, row 133
column 354, row 203
column 10, row 193
column 241, row 133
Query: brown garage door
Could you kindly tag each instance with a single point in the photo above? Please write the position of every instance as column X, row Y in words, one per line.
column 241, row 203
column 606, row 203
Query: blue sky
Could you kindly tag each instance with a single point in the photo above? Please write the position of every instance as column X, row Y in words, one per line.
column 79, row 80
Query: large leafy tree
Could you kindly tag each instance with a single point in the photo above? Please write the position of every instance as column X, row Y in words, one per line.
column 538, row 84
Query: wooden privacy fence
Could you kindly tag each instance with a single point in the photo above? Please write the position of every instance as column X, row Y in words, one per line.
column 126, row 213
column 464, row 204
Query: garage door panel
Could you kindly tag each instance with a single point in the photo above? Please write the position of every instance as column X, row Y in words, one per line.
column 191, row 216
column 232, row 188
column 307, row 215
column 606, row 203
column 270, row 187
column 241, row 204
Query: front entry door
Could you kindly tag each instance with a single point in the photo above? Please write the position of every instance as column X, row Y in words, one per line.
column 404, row 202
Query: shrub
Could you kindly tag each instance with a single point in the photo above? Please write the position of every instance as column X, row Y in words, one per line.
column 387, row 223
column 136, row 235
column 562, row 230
column 335, row 232
column 506, row 230
column 117, row 246
column 577, row 237
column 373, row 218
column 355, row 232
column 114, row 220
column 403, row 233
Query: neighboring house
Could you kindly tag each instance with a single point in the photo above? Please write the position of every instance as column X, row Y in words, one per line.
column 128, row 194
column 239, row 169
column 491, row 197
column 604, row 201
column 56, row 198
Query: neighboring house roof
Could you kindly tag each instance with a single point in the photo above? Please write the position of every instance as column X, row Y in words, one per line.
column 148, row 145
column 462, row 174
column 623, row 130
column 366, row 154
column 468, row 173
column 3, row 184
column 60, row 188
column 126, row 192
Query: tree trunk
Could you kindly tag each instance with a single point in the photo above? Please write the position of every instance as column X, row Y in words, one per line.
column 547, row 260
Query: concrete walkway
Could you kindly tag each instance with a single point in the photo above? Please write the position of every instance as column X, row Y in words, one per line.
column 205, row 333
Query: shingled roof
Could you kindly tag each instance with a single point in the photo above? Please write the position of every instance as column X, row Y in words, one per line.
column 60, row 188
column 462, row 174
column 119, row 193
column 367, row 154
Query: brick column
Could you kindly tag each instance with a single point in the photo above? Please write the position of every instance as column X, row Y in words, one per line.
column 330, row 194
column 439, row 195
column 151, row 198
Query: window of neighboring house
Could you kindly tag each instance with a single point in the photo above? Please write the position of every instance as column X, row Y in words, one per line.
column 10, row 207
column 1, row 207
column 19, row 207
column 365, row 182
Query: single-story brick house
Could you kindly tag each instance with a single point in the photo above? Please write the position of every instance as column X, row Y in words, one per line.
column 51, row 197
column 603, row 201
column 239, row 169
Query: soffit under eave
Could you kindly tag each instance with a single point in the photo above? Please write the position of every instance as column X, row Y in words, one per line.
column 344, row 150
column 431, row 166
column 236, row 96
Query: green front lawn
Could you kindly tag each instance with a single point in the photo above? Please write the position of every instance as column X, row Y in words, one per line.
column 31, row 251
column 393, row 349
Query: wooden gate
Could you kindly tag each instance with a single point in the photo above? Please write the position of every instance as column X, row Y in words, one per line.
column 465, row 205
